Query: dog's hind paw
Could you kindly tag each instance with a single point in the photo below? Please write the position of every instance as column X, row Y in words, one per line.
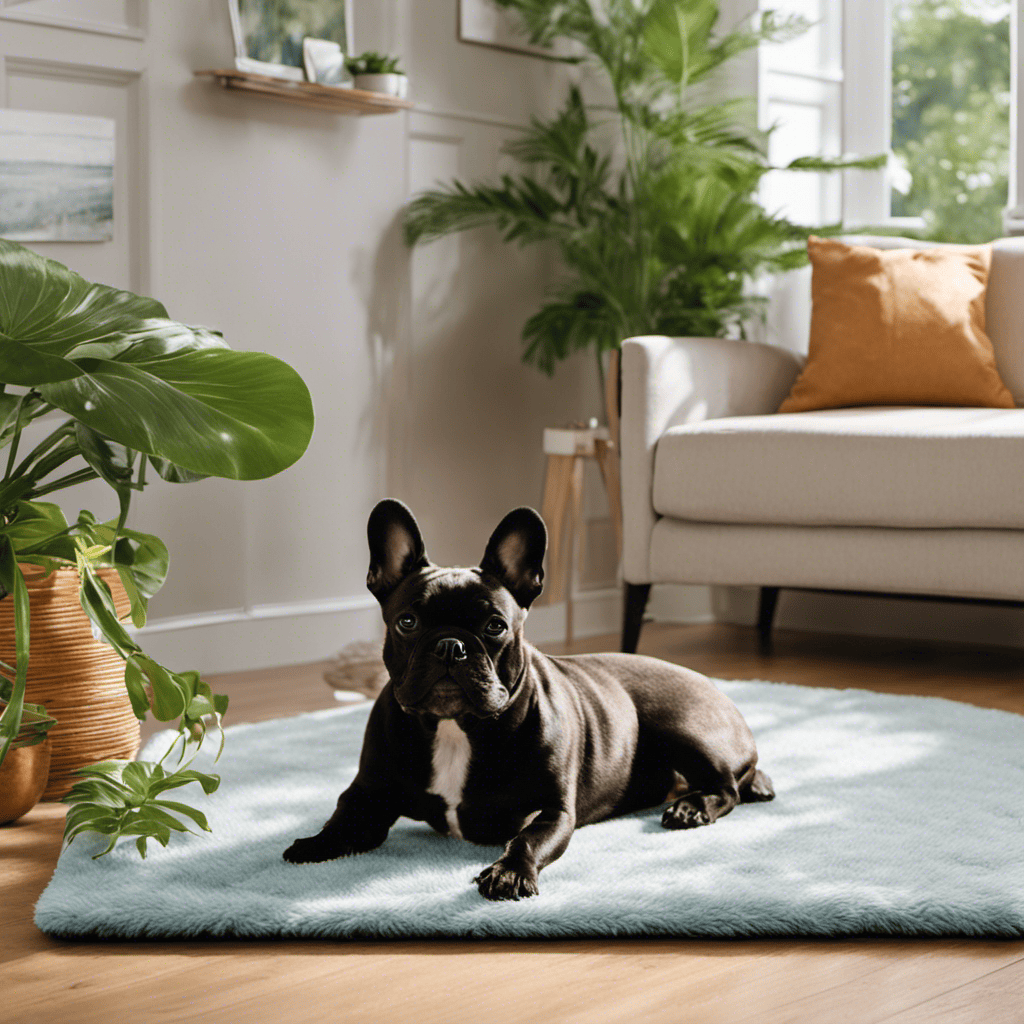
column 682, row 814
column 502, row 882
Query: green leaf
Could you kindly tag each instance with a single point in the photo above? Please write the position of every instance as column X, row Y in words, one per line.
column 135, row 777
column 98, row 603
column 183, row 777
column 134, row 682
column 114, row 362
column 113, row 462
column 169, row 695
column 240, row 415
column 24, row 365
column 197, row 816
column 142, row 554
column 13, row 583
column 175, row 474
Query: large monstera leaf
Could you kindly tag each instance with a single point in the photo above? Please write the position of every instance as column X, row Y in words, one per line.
column 116, row 363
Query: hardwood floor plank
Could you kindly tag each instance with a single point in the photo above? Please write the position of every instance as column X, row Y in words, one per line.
column 996, row 998
column 708, row 982
column 898, row 979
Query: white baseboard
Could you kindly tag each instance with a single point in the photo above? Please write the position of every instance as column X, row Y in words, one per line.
column 236, row 640
column 239, row 639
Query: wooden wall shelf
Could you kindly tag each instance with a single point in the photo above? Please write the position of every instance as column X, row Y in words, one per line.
column 308, row 94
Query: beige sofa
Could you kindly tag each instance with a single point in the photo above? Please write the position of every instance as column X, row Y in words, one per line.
column 717, row 488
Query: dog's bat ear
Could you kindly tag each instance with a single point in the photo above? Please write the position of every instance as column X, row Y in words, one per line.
column 396, row 547
column 515, row 554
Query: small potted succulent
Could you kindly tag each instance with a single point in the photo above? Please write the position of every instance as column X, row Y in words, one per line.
column 376, row 72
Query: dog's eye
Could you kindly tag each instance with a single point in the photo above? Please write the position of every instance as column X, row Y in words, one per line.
column 495, row 626
column 406, row 622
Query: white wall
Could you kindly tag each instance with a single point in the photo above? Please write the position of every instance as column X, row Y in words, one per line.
column 280, row 226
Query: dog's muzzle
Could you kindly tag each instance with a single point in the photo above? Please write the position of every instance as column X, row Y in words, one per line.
column 450, row 673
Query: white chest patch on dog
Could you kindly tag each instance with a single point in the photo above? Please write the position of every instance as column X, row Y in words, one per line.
column 450, row 765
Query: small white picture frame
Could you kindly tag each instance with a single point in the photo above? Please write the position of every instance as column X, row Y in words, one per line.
column 273, row 46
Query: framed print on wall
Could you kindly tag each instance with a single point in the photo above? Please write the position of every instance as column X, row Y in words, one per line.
column 269, row 33
column 482, row 22
column 56, row 177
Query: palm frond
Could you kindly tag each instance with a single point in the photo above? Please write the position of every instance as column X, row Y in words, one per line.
column 666, row 232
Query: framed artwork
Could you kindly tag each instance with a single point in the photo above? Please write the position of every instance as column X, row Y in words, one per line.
column 481, row 21
column 269, row 33
column 56, row 177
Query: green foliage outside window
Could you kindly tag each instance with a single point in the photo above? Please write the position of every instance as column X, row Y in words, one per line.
column 951, row 123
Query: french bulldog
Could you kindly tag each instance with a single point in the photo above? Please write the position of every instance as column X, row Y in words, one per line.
column 486, row 739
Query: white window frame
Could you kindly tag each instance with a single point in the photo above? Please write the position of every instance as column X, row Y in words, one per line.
column 1013, row 216
column 866, row 78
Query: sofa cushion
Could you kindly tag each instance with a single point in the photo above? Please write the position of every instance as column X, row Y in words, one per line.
column 876, row 466
column 898, row 326
column 1004, row 302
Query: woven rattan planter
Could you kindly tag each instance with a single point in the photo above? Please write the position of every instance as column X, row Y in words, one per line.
column 78, row 679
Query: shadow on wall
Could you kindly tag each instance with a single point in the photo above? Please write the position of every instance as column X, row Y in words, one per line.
column 468, row 414
column 382, row 277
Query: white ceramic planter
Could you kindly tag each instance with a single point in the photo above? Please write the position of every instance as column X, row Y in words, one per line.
column 393, row 85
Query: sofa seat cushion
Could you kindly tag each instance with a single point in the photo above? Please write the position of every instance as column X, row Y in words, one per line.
column 877, row 466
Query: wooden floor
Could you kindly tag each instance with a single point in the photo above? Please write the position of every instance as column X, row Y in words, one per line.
column 592, row 982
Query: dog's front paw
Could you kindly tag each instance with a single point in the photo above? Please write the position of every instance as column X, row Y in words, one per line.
column 319, row 848
column 682, row 814
column 501, row 881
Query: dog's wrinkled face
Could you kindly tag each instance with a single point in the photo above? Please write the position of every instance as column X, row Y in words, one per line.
column 454, row 643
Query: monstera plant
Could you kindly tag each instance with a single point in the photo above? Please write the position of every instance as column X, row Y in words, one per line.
column 141, row 394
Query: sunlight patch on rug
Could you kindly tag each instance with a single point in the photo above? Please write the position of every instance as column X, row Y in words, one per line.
column 894, row 815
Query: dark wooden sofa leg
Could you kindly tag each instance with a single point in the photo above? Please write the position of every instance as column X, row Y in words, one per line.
column 633, row 614
column 766, row 616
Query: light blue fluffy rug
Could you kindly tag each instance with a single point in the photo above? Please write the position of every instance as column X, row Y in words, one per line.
column 894, row 815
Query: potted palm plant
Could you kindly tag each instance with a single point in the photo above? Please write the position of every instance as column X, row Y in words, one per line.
column 141, row 394
column 659, row 231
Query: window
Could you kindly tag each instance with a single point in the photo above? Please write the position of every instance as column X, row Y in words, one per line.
column 934, row 82
column 951, row 116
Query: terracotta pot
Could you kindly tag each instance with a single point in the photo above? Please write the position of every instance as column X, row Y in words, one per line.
column 78, row 679
column 23, row 778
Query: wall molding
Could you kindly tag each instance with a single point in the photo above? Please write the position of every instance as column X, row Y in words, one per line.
column 467, row 115
column 122, row 30
column 43, row 67
column 298, row 632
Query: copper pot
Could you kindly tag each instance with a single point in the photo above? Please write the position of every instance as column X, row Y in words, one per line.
column 23, row 778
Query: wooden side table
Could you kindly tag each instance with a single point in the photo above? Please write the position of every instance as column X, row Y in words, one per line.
column 562, row 506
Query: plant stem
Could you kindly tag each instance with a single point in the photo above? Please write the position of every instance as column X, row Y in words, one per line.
column 78, row 477
column 15, row 440
column 64, row 430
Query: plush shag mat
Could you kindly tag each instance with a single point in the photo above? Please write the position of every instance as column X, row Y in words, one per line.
column 894, row 815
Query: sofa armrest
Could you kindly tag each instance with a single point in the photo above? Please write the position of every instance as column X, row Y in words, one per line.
column 668, row 381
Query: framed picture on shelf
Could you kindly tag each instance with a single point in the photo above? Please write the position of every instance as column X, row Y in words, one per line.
column 269, row 33
column 483, row 22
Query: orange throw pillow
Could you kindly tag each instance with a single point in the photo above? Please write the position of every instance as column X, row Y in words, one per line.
column 898, row 327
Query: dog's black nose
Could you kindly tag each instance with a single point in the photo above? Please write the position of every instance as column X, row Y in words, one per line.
column 450, row 649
